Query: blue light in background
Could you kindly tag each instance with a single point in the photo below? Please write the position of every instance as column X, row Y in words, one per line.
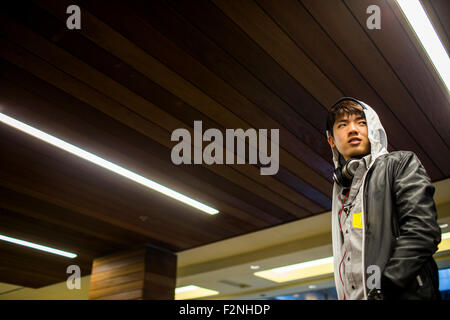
column 444, row 279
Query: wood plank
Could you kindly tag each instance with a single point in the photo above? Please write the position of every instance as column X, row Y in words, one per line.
column 26, row 278
column 118, row 263
column 129, row 286
column 126, row 295
column 166, row 78
column 160, row 274
column 64, row 218
column 8, row 72
column 41, row 260
column 138, row 83
column 137, row 158
column 433, row 103
column 301, row 26
column 432, row 168
column 83, row 93
column 121, row 135
column 265, row 32
column 118, row 272
column 306, row 189
column 116, row 281
column 337, row 21
column 20, row 186
column 159, row 279
column 159, row 261
column 439, row 20
column 213, row 23
column 98, row 195
column 254, row 30
column 118, row 256
column 33, row 230
column 103, row 192
column 135, row 197
column 442, row 8
column 45, row 193
column 156, row 280
column 46, row 268
column 239, row 91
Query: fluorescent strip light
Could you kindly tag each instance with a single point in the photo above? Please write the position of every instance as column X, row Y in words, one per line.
column 104, row 163
column 298, row 271
column 192, row 292
column 424, row 30
column 38, row 246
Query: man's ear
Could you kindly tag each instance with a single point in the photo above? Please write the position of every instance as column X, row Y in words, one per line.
column 331, row 141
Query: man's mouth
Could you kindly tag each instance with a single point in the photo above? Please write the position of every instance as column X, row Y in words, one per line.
column 354, row 141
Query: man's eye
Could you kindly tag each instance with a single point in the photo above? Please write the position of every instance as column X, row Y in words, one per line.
column 363, row 122
column 342, row 124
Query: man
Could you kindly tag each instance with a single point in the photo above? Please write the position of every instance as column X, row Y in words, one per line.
column 384, row 221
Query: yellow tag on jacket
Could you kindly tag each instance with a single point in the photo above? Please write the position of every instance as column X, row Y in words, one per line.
column 357, row 220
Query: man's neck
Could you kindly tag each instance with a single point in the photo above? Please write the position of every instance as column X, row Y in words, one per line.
column 359, row 156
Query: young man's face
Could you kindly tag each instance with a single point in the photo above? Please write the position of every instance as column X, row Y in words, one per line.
column 350, row 136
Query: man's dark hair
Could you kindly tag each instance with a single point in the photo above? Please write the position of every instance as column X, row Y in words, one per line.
column 348, row 107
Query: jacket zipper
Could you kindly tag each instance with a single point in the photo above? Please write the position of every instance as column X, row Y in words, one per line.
column 364, row 199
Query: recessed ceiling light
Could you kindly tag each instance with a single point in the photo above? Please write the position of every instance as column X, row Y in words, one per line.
column 298, row 271
column 312, row 286
column 38, row 246
column 254, row 267
column 192, row 292
column 104, row 163
column 443, row 226
column 444, row 245
column 417, row 18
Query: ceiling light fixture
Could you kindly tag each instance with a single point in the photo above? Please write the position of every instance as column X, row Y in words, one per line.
column 38, row 246
column 417, row 18
column 444, row 245
column 320, row 267
column 104, row 163
column 298, row 271
column 192, row 292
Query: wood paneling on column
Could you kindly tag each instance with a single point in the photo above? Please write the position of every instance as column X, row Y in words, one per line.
column 138, row 274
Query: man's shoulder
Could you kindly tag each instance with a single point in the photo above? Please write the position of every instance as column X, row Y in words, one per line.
column 398, row 155
column 396, row 158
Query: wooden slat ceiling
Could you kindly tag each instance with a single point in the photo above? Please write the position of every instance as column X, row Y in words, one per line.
column 137, row 70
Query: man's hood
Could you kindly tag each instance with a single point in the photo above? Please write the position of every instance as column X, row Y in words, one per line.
column 376, row 134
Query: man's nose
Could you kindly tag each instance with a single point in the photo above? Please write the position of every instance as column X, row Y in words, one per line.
column 352, row 128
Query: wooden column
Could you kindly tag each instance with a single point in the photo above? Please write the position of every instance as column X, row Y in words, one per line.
column 147, row 273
